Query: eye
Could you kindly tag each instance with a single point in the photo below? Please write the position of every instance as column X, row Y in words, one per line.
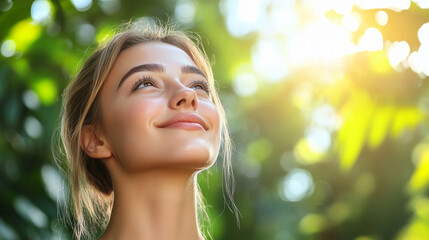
column 201, row 85
column 144, row 83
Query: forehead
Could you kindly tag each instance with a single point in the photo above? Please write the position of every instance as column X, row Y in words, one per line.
column 152, row 52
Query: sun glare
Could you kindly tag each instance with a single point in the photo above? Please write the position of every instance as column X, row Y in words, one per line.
column 398, row 52
column 293, row 34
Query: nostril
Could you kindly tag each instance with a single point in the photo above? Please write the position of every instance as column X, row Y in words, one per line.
column 180, row 102
column 185, row 98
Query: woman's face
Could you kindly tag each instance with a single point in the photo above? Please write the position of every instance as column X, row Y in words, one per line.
column 157, row 112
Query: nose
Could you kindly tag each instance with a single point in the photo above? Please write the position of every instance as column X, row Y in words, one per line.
column 184, row 98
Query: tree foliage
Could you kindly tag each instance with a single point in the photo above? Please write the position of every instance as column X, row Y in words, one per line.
column 329, row 149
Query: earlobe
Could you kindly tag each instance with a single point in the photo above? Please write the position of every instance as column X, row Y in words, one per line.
column 93, row 144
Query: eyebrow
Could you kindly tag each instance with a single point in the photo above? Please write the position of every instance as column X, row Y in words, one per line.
column 150, row 67
column 192, row 69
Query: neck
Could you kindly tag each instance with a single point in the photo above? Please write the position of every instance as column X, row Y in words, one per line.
column 155, row 204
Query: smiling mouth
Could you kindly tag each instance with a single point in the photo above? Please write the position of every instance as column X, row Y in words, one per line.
column 185, row 121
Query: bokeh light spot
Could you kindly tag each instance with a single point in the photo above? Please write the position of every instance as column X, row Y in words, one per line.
column 423, row 55
column 288, row 161
column 423, row 34
column 296, row 185
column 33, row 127
column 242, row 16
column 381, row 18
column 110, row 7
column 52, row 180
column 82, row 5
column 40, row 11
column 8, row 48
column 30, row 212
column 372, row 40
column 325, row 116
column 85, row 34
column 46, row 90
column 305, row 152
column 312, row 223
column 6, row 5
column 185, row 11
column 24, row 33
column 6, row 232
column 416, row 62
column 30, row 99
column 282, row 18
column 398, row 52
column 320, row 42
column 245, row 84
column 269, row 61
column 319, row 139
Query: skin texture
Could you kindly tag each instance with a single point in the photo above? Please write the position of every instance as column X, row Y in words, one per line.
column 154, row 166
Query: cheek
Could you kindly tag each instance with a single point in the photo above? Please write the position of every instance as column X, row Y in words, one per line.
column 129, row 124
column 136, row 115
column 211, row 113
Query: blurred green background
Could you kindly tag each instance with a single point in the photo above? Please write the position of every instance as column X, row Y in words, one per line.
column 327, row 102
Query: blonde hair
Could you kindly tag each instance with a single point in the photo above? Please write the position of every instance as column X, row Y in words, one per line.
column 90, row 184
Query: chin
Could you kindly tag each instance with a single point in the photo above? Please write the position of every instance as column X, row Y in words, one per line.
column 193, row 154
column 197, row 159
column 198, row 152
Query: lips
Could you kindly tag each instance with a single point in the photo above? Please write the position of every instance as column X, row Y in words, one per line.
column 185, row 121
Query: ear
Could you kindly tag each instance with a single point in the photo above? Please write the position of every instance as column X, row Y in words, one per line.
column 93, row 144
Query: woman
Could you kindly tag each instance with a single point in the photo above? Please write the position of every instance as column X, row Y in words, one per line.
column 140, row 121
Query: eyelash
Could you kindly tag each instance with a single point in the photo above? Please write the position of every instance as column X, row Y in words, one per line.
column 204, row 85
column 147, row 79
column 143, row 80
